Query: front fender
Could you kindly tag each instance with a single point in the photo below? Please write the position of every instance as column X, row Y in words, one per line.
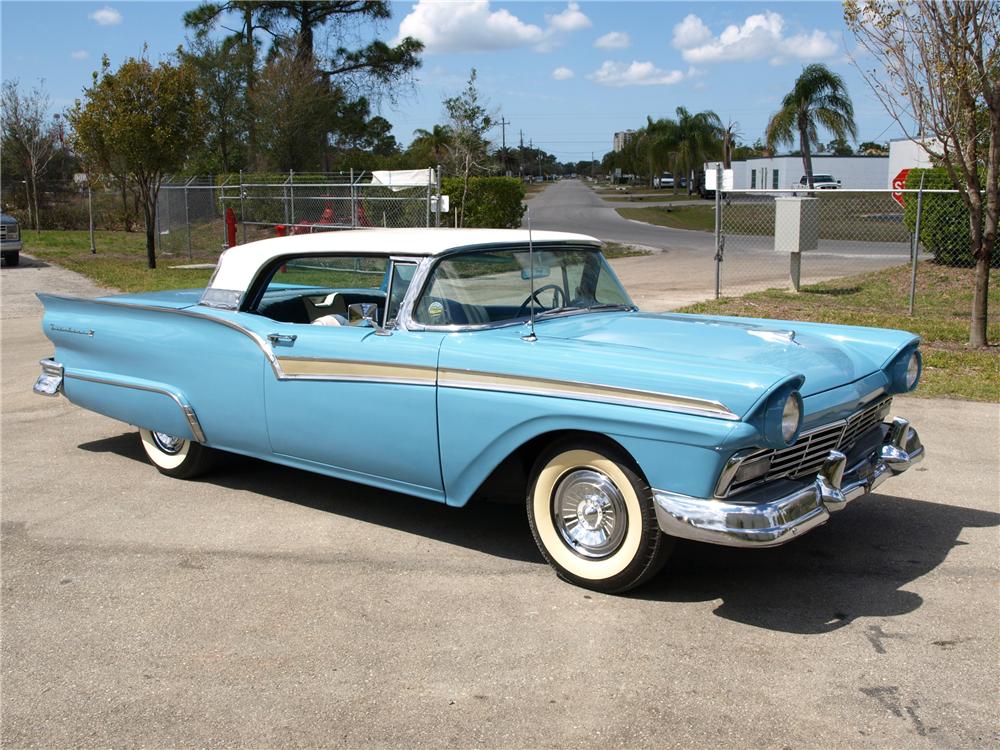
column 479, row 429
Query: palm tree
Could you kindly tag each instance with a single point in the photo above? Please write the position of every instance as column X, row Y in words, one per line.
column 437, row 142
column 658, row 145
column 819, row 97
column 699, row 136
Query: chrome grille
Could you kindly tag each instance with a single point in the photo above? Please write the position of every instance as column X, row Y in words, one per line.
column 811, row 449
column 3, row 231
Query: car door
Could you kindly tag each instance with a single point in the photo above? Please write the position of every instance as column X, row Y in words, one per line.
column 357, row 401
column 350, row 397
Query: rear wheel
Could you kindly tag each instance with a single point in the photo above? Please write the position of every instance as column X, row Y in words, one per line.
column 176, row 457
column 593, row 517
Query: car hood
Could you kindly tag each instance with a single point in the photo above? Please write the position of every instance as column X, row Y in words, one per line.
column 827, row 356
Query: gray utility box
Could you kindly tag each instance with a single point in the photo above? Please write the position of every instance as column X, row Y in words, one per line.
column 796, row 224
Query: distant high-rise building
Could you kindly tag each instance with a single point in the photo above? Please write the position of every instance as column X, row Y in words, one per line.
column 622, row 138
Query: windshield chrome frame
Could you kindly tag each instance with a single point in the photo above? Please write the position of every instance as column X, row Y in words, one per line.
column 422, row 275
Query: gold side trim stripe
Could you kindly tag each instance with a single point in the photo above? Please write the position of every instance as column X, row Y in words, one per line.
column 343, row 369
column 583, row 391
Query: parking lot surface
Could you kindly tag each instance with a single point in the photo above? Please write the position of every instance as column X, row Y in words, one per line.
column 268, row 607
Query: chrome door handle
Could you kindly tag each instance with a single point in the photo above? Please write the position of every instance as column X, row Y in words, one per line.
column 286, row 339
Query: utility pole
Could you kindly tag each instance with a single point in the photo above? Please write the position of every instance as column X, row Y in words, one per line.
column 520, row 154
column 503, row 139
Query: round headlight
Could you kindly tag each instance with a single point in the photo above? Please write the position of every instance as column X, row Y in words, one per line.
column 791, row 416
column 913, row 371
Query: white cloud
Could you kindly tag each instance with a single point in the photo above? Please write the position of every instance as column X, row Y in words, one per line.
column 760, row 36
column 691, row 32
column 613, row 40
column 106, row 16
column 474, row 26
column 571, row 19
column 80, row 54
column 562, row 73
column 466, row 27
column 619, row 74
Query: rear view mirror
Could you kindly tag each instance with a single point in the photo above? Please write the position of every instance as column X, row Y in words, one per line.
column 538, row 272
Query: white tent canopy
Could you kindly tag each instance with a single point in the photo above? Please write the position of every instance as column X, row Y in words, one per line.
column 402, row 179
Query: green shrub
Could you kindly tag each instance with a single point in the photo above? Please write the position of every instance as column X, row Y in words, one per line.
column 944, row 220
column 494, row 202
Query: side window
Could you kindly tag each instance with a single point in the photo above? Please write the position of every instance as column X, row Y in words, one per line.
column 774, row 181
column 302, row 290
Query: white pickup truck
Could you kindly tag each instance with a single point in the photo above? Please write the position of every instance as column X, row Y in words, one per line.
column 820, row 182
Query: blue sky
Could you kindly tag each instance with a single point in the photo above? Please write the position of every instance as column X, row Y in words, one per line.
column 567, row 74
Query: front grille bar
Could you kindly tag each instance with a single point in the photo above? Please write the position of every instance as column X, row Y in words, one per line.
column 811, row 449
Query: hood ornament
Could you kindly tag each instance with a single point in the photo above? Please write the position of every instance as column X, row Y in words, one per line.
column 774, row 336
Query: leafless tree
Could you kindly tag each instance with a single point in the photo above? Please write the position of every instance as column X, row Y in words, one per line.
column 938, row 77
column 27, row 128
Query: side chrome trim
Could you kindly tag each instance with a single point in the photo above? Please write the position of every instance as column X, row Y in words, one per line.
column 309, row 368
column 332, row 369
column 186, row 409
column 482, row 381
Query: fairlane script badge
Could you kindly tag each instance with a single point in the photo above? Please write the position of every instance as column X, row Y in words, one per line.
column 54, row 327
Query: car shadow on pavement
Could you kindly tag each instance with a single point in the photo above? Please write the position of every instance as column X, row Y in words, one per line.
column 856, row 565
column 25, row 261
column 492, row 528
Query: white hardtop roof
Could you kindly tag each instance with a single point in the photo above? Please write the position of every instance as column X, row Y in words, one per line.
column 238, row 266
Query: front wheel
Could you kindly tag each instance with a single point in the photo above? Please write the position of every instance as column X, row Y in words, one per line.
column 593, row 518
column 176, row 457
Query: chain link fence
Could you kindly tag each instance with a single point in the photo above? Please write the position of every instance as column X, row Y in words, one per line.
column 192, row 211
column 785, row 239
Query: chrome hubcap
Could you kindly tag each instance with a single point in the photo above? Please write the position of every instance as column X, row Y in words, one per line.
column 589, row 512
column 168, row 443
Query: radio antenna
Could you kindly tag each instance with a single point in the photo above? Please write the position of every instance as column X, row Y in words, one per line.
column 530, row 336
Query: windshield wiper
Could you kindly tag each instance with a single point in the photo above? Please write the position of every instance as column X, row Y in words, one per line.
column 612, row 306
column 573, row 309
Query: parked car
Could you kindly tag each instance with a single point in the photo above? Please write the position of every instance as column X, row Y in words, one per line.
column 820, row 182
column 10, row 240
column 458, row 363
column 665, row 180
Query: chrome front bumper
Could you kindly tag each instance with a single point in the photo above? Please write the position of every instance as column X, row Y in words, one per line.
column 789, row 508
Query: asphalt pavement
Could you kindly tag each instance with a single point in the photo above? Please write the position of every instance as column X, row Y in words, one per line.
column 267, row 607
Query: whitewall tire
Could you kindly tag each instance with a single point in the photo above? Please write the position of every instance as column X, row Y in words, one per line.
column 176, row 457
column 592, row 515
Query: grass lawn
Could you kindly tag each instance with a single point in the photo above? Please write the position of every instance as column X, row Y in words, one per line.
column 658, row 197
column 941, row 318
column 120, row 261
column 700, row 218
column 843, row 216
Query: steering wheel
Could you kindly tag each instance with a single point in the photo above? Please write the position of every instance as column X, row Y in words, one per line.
column 558, row 298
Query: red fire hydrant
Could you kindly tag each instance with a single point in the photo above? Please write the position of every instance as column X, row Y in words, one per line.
column 230, row 227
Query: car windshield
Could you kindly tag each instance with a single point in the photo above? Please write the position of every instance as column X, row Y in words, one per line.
column 483, row 288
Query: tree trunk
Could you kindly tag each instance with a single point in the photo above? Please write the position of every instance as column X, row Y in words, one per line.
column 149, row 213
column 807, row 164
column 34, row 198
column 980, row 295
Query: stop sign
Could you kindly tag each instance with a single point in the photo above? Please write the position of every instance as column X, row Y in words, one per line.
column 899, row 184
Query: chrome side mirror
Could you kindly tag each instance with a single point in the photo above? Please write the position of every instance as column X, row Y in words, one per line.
column 364, row 315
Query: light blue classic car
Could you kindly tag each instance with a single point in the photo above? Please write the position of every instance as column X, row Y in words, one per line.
column 494, row 363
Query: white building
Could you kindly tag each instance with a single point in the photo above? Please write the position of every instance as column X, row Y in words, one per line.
column 621, row 139
column 783, row 172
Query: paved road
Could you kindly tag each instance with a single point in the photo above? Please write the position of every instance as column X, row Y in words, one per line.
column 683, row 269
column 267, row 607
